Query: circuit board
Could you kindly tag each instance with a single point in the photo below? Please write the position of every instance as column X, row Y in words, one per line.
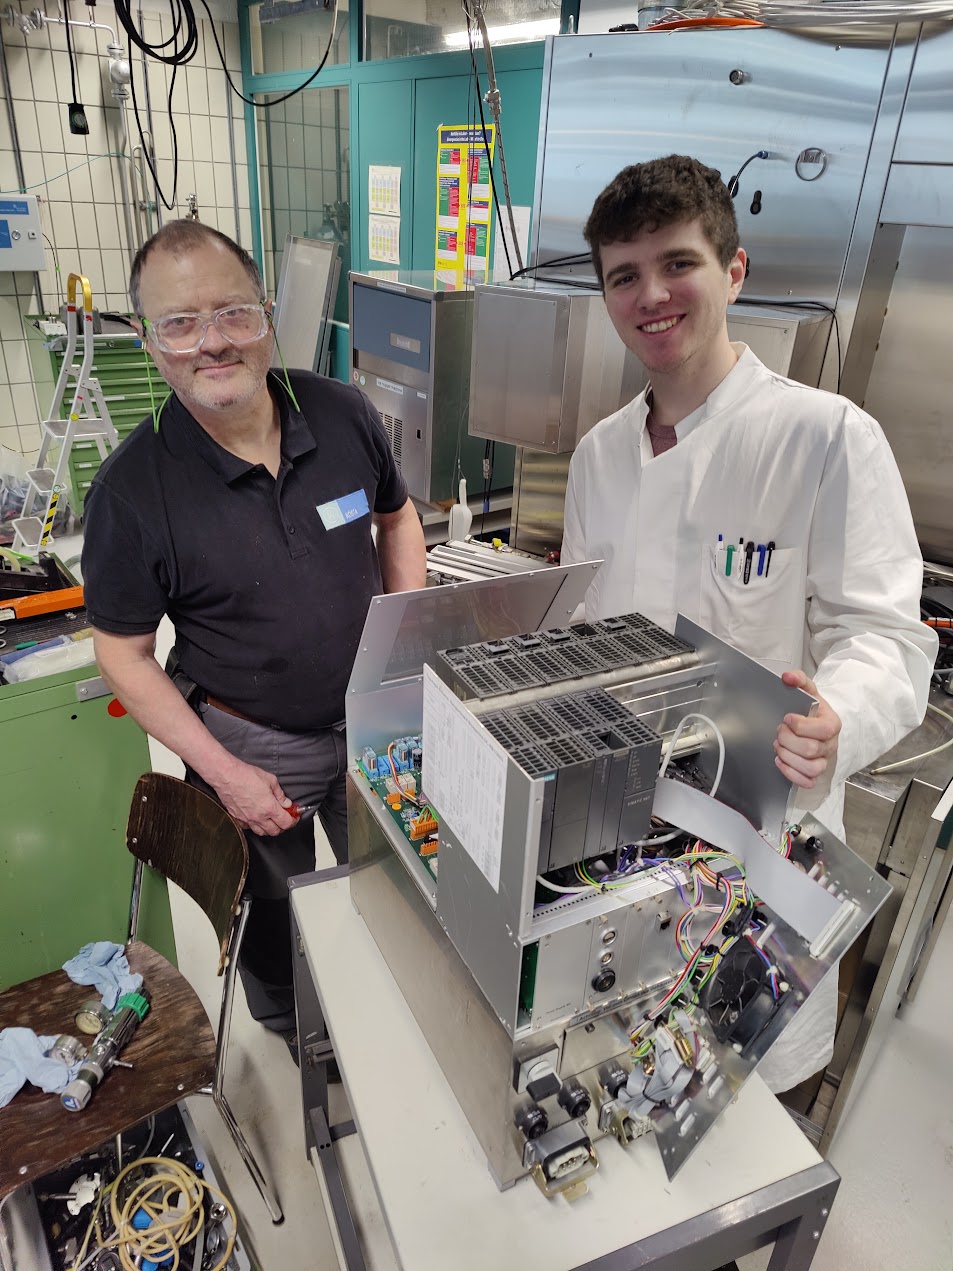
column 403, row 813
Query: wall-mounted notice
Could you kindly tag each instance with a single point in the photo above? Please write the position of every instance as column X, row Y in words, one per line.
column 464, row 775
column 383, row 239
column 464, row 200
column 383, row 190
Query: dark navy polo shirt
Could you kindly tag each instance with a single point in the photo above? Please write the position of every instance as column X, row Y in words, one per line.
column 267, row 581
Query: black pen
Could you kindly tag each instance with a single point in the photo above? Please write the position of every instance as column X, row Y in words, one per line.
column 749, row 553
column 767, row 564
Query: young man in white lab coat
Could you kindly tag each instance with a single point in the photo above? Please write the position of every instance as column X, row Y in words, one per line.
column 719, row 449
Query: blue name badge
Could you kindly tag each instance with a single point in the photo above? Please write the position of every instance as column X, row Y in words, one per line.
column 349, row 507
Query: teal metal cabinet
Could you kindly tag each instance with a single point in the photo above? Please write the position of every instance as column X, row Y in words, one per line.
column 68, row 772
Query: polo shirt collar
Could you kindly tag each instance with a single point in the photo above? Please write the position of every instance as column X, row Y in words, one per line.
column 296, row 437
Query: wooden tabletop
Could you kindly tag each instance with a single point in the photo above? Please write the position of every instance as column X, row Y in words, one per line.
column 173, row 1053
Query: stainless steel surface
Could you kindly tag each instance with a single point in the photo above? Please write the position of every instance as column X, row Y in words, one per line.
column 898, row 820
column 792, row 342
column 925, row 135
column 547, row 365
column 910, row 389
column 802, row 92
column 539, row 500
column 919, row 194
column 901, row 54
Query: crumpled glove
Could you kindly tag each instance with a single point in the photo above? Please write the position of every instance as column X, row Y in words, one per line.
column 23, row 1058
column 105, row 966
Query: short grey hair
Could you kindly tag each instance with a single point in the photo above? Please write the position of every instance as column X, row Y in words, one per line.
column 186, row 236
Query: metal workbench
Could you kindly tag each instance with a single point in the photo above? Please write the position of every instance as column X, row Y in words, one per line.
column 754, row 1180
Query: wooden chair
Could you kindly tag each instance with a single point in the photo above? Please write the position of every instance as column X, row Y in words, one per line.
column 182, row 833
column 172, row 1054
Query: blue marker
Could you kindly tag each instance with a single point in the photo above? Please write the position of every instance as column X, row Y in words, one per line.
column 761, row 551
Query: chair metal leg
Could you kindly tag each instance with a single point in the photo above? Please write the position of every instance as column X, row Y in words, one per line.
column 221, row 1049
column 248, row 1156
column 134, row 900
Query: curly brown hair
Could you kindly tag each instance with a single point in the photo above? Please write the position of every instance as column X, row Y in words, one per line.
column 661, row 192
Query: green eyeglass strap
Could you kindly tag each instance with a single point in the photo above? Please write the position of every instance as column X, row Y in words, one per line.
column 156, row 412
column 281, row 359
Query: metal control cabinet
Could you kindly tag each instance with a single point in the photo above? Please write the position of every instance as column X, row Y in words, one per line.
column 21, row 234
column 547, row 365
column 69, row 769
column 504, row 981
column 410, row 353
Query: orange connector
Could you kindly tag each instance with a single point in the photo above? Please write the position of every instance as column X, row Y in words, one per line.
column 420, row 829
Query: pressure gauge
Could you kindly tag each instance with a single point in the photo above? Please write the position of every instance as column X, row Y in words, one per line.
column 92, row 1017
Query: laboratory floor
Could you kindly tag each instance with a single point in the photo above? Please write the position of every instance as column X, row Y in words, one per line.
column 894, row 1151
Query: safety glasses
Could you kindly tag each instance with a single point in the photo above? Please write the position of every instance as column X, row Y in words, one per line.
column 185, row 332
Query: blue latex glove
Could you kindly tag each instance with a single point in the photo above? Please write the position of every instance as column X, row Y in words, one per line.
column 103, row 965
column 23, row 1058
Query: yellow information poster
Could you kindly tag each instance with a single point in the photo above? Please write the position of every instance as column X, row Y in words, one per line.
column 464, row 201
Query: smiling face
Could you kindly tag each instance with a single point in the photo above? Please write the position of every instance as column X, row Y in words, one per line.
column 667, row 295
column 219, row 376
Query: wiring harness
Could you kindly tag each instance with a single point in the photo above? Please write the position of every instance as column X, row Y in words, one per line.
column 150, row 1213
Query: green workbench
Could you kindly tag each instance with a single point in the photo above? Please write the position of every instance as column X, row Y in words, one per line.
column 67, row 776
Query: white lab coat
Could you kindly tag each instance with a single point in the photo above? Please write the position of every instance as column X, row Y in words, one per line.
column 768, row 459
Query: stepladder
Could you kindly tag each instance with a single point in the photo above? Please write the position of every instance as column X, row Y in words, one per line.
column 86, row 420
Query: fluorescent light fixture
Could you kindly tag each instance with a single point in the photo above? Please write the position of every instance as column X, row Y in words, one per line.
column 501, row 34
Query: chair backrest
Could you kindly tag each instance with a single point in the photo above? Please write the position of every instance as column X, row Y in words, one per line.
column 185, row 835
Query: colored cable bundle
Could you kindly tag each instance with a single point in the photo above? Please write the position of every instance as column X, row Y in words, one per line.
column 701, row 961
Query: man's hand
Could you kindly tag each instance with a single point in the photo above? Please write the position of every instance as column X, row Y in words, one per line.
column 255, row 799
column 806, row 746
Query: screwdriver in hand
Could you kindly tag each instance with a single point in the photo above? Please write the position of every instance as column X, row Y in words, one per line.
column 298, row 810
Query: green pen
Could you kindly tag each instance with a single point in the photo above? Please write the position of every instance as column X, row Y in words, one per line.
column 27, row 644
column 729, row 552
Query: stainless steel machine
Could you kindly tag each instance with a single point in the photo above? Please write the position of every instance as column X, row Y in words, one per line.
column 410, row 353
column 591, row 943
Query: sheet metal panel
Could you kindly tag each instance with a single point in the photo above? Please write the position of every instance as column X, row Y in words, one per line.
column 613, row 100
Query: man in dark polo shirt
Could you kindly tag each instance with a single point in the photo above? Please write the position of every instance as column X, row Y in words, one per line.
column 244, row 512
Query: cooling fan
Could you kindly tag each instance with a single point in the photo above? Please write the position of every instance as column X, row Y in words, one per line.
column 739, row 999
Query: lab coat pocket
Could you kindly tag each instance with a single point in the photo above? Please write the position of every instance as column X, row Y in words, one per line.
column 763, row 617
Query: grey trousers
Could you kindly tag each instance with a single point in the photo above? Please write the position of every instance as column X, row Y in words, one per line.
column 310, row 768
